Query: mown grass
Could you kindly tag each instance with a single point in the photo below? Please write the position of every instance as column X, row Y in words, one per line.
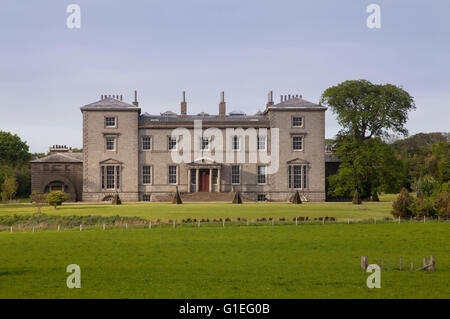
column 305, row 261
column 253, row 210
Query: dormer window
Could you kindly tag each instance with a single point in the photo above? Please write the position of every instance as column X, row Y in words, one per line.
column 110, row 122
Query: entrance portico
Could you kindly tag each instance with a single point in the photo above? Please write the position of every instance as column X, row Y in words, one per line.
column 204, row 175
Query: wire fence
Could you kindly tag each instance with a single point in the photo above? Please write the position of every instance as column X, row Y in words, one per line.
column 199, row 223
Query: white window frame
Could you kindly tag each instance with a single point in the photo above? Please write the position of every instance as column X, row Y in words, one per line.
column 150, row 143
column 302, row 143
column 202, row 139
column 264, row 144
column 150, row 175
column 106, row 122
column 169, row 139
column 239, row 174
column 236, row 138
column 176, row 175
column 258, row 174
column 114, row 139
column 297, row 117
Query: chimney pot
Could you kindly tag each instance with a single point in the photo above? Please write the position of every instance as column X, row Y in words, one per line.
column 183, row 103
column 135, row 103
column 222, row 104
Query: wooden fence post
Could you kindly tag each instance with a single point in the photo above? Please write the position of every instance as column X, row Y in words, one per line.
column 273, row 221
column 58, row 228
column 424, row 219
column 223, row 222
column 412, row 266
column 364, row 262
column 432, row 263
column 296, row 222
column 382, row 263
column 10, row 229
column 425, row 262
column 348, row 220
column 81, row 227
column 400, row 263
column 150, row 225
column 198, row 223
column 173, row 224
column 33, row 229
column 399, row 219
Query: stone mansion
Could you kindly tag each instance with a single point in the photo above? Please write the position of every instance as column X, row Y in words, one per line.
column 132, row 153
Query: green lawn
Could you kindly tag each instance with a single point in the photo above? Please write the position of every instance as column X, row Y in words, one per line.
column 305, row 261
column 253, row 210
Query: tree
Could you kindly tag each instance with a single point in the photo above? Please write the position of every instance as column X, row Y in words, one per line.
column 367, row 110
column 9, row 188
column 37, row 198
column 13, row 151
column 402, row 206
column 425, row 185
column 56, row 198
column 369, row 166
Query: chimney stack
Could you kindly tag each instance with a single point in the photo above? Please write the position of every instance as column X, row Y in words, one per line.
column 269, row 99
column 135, row 103
column 183, row 104
column 222, row 104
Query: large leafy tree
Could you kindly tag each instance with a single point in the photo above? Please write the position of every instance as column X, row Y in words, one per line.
column 367, row 112
column 13, row 151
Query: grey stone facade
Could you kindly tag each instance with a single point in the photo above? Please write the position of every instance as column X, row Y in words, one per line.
column 127, row 152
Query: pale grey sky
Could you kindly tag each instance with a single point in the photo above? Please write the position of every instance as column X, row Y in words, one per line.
column 244, row 48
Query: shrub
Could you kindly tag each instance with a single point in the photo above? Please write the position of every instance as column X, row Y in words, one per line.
column 296, row 199
column 402, row 206
column 116, row 200
column 237, row 198
column 56, row 198
column 423, row 206
column 425, row 185
column 442, row 204
column 177, row 198
column 356, row 199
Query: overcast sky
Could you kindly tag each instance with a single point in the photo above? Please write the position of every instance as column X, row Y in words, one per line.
column 245, row 48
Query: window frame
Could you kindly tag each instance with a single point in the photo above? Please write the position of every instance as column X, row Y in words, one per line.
column 169, row 138
column 169, row 175
column 264, row 175
column 106, row 121
column 293, row 137
column 203, row 138
column 151, row 143
column 149, row 175
column 258, row 142
column 302, row 119
column 238, row 141
column 114, row 139
column 239, row 174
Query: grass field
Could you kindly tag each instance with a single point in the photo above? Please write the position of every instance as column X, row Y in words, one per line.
column 253, row 210
column 305, row 261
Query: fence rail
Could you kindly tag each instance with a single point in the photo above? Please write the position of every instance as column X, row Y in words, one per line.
column 226, row 222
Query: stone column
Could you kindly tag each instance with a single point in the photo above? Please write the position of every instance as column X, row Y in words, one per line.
column 210, row 180
column 197, row 184
column 218, row 179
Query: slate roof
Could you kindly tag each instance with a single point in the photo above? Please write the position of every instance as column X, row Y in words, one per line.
column 109, row 103
column 61, row 158
column 297, row 103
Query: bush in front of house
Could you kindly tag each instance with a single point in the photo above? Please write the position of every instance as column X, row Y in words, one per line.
column 56, row 198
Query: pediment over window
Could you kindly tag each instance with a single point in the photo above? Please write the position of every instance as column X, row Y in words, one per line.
column 111, row 161
column 297, row 161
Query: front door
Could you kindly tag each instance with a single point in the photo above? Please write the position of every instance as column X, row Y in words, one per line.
column 204, row 180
